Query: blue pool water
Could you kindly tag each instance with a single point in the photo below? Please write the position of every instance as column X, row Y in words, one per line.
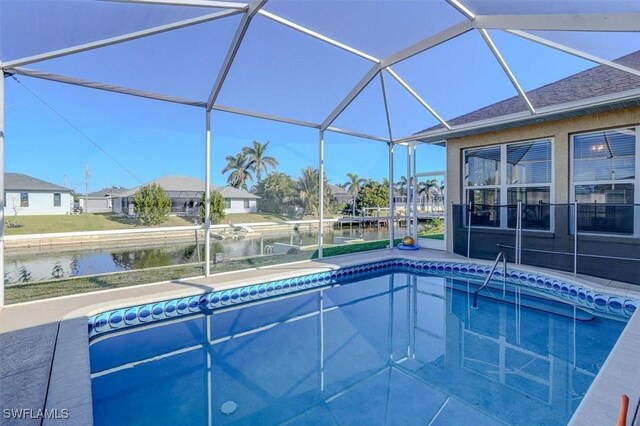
column 392, row 349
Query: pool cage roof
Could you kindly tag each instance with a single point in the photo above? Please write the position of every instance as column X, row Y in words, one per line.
column 413, row 65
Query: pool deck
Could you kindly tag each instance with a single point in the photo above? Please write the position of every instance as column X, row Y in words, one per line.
column 44, row 354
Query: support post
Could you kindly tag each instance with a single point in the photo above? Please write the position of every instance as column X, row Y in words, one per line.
column 407, row 204
column 414, row 207
column 2, row 103
column 321, row 194
column 575, row 237
column 207, row 196
column 392, row 207
column 519, row 233
column 469, row 232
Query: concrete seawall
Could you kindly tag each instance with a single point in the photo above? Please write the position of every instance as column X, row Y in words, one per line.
column 133, row 237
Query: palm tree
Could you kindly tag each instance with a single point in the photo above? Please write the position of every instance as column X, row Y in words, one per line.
column 353, row 185
column 426, row 187
column 308, row 186
column 257, row 160
column 402, row 184
column 240, row 170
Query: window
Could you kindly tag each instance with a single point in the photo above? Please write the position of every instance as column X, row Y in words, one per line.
column 527, row 171
column 227, row 203
column 57, row 199
column 603, row 180
column 246, row 203
column 24, row 199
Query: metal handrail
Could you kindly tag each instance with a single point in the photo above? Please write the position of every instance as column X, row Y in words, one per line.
column 486, row 280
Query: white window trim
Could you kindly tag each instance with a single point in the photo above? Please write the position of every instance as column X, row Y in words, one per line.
column 635, row 181
column 504, row 186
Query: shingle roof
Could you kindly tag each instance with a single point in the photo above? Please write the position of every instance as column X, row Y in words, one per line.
column 598, row 81
column 105, row 192
column 22, row 182
column 188, row 184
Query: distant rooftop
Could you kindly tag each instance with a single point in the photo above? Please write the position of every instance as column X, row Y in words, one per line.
column 22, row 182
column 105, row 192
column 596, row 82
column 187, row 186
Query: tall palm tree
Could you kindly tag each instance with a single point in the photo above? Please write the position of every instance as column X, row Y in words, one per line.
column 240, row 170
column 402, row 184
column 425, row 188
column 308, row 186
column 258, row 161
column 353, row 186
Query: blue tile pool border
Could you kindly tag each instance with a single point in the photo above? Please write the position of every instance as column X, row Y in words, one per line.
column 577, row 293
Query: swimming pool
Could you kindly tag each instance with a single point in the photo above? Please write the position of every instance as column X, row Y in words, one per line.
column 391, row 342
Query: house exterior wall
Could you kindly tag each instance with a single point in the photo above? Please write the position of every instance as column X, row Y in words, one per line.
column 559, row 238
column 96, row 205
column 237, row 206
column 40, row 203
column 560, row 131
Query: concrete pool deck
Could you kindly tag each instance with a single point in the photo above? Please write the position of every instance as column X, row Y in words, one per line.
column 44, row 354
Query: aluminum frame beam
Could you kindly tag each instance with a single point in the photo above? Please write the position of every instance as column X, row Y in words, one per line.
column 621, row 22
column 417, row 97
column 571, row 51
column 120, row 39
column 252, row 9
column 104, row 86
column 317, row 36
column 364, row 81
column 391, row 205
column 506, row 69
column 347, row 48
column 271, row 117
column 195, row 3
column 2, row 202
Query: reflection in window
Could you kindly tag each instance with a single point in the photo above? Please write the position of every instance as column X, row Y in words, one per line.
column 604, row 156
column 485, row 207
column 227, row 203
column 536, row 211
column 529, row 163
column 604, row 180
column 24, row 199
column 605, row 208
column 482, row 166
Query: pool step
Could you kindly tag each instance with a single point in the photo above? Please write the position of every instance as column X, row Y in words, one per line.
column 527, row 300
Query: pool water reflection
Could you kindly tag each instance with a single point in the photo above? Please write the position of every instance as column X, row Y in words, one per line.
column 399, row 348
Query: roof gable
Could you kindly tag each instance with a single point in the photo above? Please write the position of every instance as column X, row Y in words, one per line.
column 22, row 182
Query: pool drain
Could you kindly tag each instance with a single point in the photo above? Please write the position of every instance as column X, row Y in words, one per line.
column 228, row 408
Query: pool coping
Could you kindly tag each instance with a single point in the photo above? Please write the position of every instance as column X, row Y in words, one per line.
column 70, row 385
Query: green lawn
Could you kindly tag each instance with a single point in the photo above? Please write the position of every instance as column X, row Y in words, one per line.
column 78, row 222
column 45, row 289
column 108, row 221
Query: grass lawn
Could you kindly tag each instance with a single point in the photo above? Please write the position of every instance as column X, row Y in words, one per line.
column 45, row 289
column 79, row 222
column 108, row 221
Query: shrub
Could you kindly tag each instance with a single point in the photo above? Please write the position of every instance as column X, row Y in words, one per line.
column 152, row 204
column 216, row 212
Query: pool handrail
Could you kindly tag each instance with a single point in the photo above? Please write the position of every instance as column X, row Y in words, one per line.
column 486, row 280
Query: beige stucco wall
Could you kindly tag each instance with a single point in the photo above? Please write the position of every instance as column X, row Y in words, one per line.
column 559, row 130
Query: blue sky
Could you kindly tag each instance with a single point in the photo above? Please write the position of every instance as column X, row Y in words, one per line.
column 277, row 71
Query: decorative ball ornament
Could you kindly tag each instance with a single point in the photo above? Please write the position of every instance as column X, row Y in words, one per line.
column 408, row 241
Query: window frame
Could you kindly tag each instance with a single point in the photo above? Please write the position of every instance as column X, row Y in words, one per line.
column 26, row 204
column 504, row 186
column 247, row 203
column 227, row 203
column 59, row 204
column 635, row 181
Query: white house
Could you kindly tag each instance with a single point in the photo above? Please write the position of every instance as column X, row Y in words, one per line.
column 26, row 195
column 101, row 201
column 185, row 193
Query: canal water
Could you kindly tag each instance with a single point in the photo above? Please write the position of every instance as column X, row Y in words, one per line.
column 23, row 267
